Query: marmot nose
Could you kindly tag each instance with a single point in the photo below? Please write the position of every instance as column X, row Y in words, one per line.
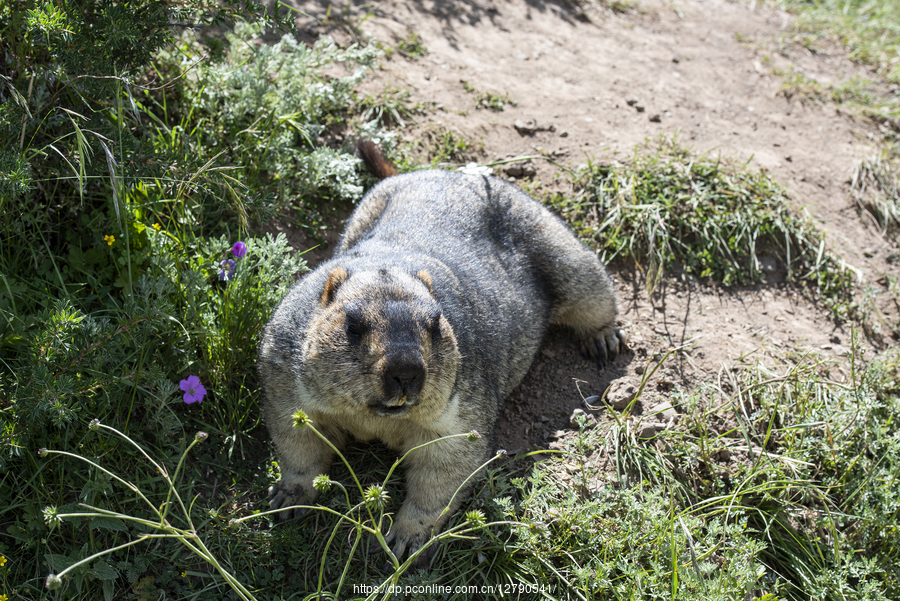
column 404, row 378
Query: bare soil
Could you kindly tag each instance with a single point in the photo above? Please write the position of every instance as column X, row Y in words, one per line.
column 701, row 68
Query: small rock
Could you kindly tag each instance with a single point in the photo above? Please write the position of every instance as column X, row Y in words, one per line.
column 840, row 350
column 655, row 118
column 564, row 134
column 639, row 108
column 621, row 392
column 544, row 418
column 664, row 411
column 661, row 330
column 520, row 170
column 573, row 418
column 631, row 101
column 723, row 455
column 650, row 429
column 527, row 126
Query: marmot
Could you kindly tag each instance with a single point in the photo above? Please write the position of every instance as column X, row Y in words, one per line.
column 429, row 314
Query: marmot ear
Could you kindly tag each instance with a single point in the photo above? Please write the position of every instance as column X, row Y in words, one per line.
column 335, row 279
column 426, row 279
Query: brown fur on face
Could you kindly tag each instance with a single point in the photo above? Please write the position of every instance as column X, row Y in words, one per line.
column 383, row 347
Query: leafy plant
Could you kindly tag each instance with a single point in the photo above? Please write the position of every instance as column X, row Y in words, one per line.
column 411, row 46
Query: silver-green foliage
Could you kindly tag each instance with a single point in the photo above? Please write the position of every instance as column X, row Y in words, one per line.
column 266, row 104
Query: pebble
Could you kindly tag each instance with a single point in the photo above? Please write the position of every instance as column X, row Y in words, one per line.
column 655, row 118
column 664, row 411
column 520, row 170
column 530, row 126
column 649, row 429
column 527, row 126
column 573, row 418
column 621, row 392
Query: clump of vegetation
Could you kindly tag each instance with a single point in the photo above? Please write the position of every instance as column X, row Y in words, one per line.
column 808, row 465
column 486, row 100
column 389, row 107
column 714, row 218
column 412, row 47
column 869, row 29
column 269, row 108
column 876, row 188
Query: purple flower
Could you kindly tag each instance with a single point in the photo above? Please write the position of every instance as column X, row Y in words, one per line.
column 193, row 390
column 239, row 249
column 227, row 272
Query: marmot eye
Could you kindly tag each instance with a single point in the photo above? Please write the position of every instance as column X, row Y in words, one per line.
column 355, row 330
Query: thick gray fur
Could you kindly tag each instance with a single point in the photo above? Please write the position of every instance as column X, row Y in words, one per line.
column 429, row 314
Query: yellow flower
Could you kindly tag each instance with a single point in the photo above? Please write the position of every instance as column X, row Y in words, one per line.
column 2, row 563
column 109, row 240
column 183, row 575
column 157, row 226
column 3, row 597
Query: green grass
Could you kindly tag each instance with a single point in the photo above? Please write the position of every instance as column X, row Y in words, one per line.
column 869, row 29
column 486, row 100
column 812, row 473
column 711, row 217
column 411, row 46
column 876, row 188
column 777, row 483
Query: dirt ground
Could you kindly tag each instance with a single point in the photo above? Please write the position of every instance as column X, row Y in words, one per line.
column 597, row 84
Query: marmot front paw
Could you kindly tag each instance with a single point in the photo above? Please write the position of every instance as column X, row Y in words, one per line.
column 284, row 494
column 604, row 345
column 406, row 537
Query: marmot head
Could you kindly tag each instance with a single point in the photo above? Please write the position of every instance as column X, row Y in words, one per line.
column 379, row 343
